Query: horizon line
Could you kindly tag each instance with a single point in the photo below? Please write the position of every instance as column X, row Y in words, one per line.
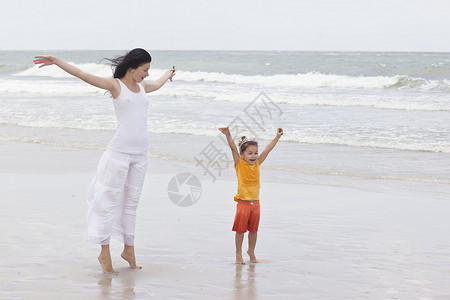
column 238, row 50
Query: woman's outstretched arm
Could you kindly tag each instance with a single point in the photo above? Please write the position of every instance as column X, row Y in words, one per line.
column 154, row 85
column 109, row 84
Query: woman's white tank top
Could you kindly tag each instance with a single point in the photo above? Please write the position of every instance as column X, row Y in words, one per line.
column 131, row 112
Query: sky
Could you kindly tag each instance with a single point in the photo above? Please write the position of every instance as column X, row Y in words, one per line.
column 322, row 25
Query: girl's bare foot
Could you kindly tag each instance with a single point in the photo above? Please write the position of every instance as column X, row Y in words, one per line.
column 239, row 259
column 252, row 257
column 128, row 255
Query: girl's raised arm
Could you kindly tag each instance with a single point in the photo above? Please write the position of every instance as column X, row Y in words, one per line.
column 262, row 157
column 109, row 84
column 230, row 141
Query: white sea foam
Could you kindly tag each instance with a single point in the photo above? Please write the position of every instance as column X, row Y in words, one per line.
column 46, row 87
column 414, row 102
column 202, row 128
column 306, row 80
column 369, row 142
column 318, row 80
column 309, row 89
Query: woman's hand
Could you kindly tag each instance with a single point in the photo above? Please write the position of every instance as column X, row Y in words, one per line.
column 171, row 73
column 44, row 60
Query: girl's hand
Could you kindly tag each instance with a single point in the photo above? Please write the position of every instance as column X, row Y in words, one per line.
column 225, row 130
column 279, row 132
column 44, row 60
column 234, row 149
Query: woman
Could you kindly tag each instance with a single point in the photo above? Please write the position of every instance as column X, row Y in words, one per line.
column 113, row 196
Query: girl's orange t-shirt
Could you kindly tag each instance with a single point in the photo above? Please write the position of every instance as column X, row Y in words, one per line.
column 248, row 180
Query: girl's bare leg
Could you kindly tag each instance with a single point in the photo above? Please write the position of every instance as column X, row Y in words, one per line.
column 251, row 246
column 105, row 260
column 128, row 255
column 239, row 240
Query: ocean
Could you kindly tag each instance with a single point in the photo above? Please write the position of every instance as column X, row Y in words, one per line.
column 370, row 115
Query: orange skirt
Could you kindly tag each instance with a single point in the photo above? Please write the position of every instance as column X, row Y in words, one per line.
column 247, row 216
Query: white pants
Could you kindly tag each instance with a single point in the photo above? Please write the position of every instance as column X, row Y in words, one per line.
column 113, row 197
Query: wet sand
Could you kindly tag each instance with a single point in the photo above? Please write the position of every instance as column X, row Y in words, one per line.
column 316, row 240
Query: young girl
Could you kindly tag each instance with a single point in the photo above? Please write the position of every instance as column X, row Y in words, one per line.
column 115, row 191
column 246, row 163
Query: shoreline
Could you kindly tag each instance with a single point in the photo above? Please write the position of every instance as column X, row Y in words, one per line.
column 30, row 158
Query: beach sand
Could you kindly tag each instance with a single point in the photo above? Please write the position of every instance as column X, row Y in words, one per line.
column 317, row 239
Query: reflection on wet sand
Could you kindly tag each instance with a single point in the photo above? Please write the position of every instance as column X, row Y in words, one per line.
column 105, row 285
column 120, row 286
column 244, row 286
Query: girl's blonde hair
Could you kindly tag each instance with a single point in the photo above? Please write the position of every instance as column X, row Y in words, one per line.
column 244, row 143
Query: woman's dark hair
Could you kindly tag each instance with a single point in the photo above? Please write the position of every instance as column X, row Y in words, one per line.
column 244, row 143
column 131, row 60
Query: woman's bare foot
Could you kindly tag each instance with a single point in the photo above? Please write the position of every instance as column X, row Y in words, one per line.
column 239, row 259
column 128, row 255
column 252, row 257
column 106, row 263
